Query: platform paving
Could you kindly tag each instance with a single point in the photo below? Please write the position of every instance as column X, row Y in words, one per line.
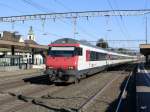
column 142, row 89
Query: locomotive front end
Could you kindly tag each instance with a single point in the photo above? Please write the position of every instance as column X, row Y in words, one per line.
column 62, row 62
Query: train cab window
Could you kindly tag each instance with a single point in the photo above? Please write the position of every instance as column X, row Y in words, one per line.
column 64, row 51
column 79, row 51
column 48, row 51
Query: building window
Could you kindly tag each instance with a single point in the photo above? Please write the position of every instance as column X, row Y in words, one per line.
column 30, row 37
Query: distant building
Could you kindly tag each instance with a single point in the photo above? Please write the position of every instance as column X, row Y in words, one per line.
column 11, row 36
column 26, row 54
column 38, row 59
column 31, row 35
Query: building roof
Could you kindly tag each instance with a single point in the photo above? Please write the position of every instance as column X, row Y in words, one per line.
column 145, row 49
column 30, row 42
column 10, row 36
column 9, row 39
column 21, row 45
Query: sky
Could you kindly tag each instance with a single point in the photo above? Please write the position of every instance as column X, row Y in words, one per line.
column 109, row 28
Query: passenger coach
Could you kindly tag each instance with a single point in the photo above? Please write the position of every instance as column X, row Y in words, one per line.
column 69, row 60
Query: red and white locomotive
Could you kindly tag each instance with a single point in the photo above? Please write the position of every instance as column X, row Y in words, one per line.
column 69, row 60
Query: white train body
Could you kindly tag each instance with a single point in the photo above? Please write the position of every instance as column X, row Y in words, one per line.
column 85, row 59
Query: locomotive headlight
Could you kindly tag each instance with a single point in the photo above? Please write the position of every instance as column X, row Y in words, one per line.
column 50, row 67
column 70, row 67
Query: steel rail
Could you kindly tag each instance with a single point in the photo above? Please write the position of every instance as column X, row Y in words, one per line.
column 92, row 98
column 87, row 103
column 123, row 95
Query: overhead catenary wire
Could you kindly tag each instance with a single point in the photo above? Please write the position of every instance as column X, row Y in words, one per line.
column 123, row 23
column 146, row 22
column 35, row 5
column 13, row 22
column 88, row 34
column 12, row 8
column 145, row 5
column 80, row 27
column 120, row 26
column 46, row 33
column 74, row 19
column 122, row 19
column 39, row 7
column 64, row 6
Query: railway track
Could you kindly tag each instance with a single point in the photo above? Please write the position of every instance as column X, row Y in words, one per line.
column 50, row 97
column 104, row 95
column 18, row 77
column 10, row 85
column 83, row 104
column 91, row 99
column 33, row 92
column 17, row 82
column 18, row 74
column 123, row 95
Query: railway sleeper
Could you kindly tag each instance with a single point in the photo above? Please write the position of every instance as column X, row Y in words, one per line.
column 38, row 102
column 26, row 98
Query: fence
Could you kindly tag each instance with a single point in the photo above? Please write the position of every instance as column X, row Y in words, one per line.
column 9, row 63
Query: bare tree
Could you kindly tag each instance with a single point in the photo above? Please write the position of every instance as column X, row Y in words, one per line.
column 85, row 41
column 102, row 43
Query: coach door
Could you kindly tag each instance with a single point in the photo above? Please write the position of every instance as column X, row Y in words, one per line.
column 88, row 58
column 108, row 59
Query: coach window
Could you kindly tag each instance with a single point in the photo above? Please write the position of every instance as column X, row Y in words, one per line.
column 103, row 56
column 95, row 56
column 113, row 57
column 121, row 57
column 92, row 56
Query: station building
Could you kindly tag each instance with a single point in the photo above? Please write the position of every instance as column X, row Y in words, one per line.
column 145, row 50
column 17, row 53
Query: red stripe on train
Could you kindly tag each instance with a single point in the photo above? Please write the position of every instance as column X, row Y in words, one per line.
column 76, row 45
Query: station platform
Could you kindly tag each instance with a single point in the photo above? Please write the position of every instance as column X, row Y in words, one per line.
column 143, row 89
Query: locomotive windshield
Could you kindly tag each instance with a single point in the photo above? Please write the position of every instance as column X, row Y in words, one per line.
column 62, row 51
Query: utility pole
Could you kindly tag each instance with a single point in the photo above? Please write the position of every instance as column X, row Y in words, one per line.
column 146, row 56
column 146, row 29
column 74, row 27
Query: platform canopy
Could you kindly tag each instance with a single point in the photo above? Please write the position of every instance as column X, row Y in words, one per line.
column 21, row 46
column 145, row 49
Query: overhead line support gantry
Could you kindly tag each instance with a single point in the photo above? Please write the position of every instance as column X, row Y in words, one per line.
column 75, row 15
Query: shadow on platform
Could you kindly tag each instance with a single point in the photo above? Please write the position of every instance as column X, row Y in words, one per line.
column 129, row 103
column 124, row 67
